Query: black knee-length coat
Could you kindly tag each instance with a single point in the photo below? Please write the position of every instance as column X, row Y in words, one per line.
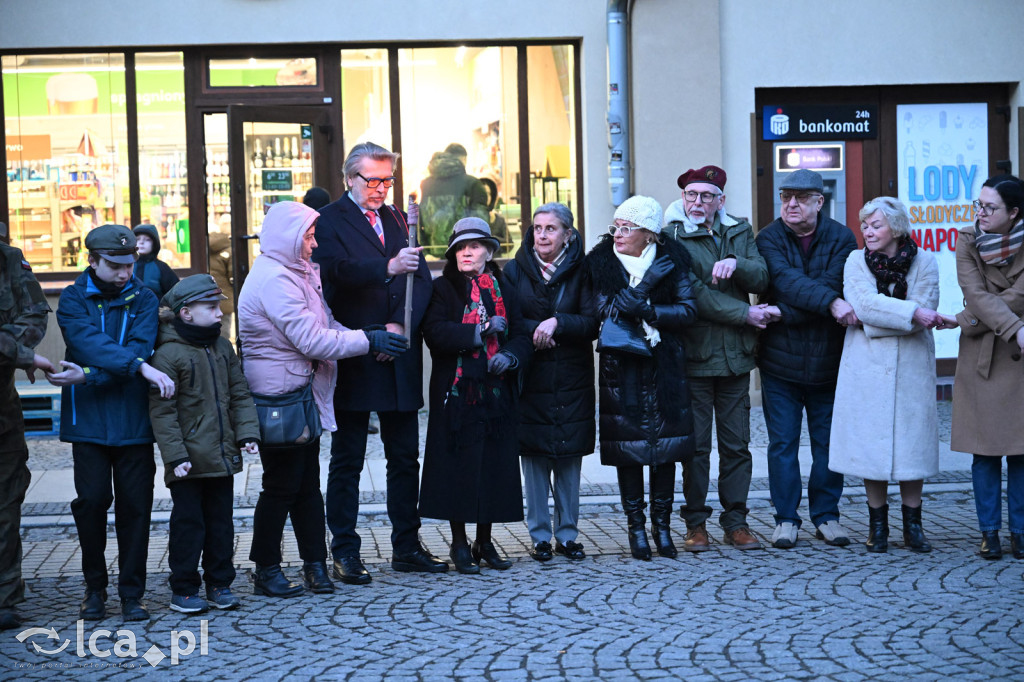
column 471, row 460
column 556, row 408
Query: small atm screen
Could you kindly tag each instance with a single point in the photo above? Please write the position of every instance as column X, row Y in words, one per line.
column 818, row 157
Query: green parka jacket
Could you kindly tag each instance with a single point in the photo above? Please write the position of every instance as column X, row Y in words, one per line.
column 719, row 342
column 211, row 413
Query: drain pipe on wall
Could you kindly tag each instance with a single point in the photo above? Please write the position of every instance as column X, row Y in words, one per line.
column 619, row 177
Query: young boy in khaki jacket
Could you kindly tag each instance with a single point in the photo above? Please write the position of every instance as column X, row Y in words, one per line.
column 200, row 432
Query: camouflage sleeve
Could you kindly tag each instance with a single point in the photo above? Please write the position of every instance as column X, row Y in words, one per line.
column 23, row 322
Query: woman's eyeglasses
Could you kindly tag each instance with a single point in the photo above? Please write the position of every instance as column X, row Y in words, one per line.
column 624, row 230
column 985, row 209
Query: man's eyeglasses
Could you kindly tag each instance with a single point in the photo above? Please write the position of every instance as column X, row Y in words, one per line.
column 985, row 209
column 802, row 197
column 549, row 230
column 624, row 230
column 705, row 197
column 373, row 183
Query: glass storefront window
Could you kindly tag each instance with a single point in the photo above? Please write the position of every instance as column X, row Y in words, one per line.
column 263, row 72
column 218, row 182
column 552, row 125
column 160, row 97
column 460, row 139
column 365, row 97
column 67, row 161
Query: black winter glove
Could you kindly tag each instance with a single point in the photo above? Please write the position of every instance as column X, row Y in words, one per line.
column 495, row 325
column 499, row 363
column 661, row 266
column 630, row 302
column 386, row 342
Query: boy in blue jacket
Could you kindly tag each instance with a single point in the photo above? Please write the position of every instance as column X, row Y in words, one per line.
column 109, row 322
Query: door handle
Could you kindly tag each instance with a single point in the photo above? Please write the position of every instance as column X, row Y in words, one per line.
column 250, row 236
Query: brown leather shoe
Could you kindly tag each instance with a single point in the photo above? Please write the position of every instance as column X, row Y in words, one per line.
column 697, row 539
column 742, row 538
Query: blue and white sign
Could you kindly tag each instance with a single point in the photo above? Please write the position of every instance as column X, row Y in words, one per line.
column 942, row 155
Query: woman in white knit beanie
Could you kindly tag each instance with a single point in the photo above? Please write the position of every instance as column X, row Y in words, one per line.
column 639, row 279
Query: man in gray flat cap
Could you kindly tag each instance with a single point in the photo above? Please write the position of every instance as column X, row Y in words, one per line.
column 799, row 355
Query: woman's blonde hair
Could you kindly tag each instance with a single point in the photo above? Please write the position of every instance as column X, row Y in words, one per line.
column 893, row 210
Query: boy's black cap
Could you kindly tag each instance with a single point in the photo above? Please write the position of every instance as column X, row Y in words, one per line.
column 116, row 243
column 192, row 289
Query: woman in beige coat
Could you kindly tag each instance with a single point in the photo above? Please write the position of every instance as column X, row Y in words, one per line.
column 989, row 388
column 885, row 425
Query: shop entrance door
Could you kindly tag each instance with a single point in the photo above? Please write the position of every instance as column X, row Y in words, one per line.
column 275, row 153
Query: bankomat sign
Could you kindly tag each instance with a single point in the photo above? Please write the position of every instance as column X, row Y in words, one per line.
column 825, row 122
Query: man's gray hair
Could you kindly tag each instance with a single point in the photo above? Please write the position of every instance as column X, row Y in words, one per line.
column 893, row 210
column 561, row 212
column 354, row 160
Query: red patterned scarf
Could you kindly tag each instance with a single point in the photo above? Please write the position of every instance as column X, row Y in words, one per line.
column 483, row 290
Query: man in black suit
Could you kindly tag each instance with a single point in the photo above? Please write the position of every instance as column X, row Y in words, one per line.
column 364, row 255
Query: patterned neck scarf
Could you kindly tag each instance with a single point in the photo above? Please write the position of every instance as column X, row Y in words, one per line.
column 892, row 270
column 484, row 294
column 547, row 270
column 999, row 249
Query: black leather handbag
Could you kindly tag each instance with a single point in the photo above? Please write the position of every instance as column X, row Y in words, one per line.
column 289, row 418
column 619, row 336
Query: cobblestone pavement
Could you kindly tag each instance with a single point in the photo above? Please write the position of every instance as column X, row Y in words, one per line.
column 813, row 612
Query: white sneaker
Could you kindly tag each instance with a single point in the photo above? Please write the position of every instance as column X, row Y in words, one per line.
column 833, row 533
column 784, row 536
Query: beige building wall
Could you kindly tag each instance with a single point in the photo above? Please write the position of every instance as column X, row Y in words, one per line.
column 677, row 94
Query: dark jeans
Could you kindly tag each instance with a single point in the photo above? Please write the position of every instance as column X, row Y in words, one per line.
column 132, row 469
column 14, row 480
column 784, row 404
column 728, row 400
column 201, row 525
column 399, row 431
column 291, row 486
column 987, row 473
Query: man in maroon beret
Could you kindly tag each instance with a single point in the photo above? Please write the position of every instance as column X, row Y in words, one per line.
column 725, row 270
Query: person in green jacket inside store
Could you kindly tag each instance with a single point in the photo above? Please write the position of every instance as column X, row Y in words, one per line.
column 725, row 269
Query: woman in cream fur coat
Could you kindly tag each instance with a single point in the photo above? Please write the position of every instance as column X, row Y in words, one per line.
column 885, row 425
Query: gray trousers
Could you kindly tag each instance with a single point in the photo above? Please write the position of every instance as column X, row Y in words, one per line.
column 537, row 475
column 728, row 400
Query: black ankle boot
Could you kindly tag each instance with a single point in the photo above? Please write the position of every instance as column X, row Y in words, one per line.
column 913, row 533
column 486, row 552
column 462, row 557
column 878, row 529
column 271, row 582
column 639, row 547
column 315, row 577
column 661, row 519
column 990, row 547
column 1017, row 545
